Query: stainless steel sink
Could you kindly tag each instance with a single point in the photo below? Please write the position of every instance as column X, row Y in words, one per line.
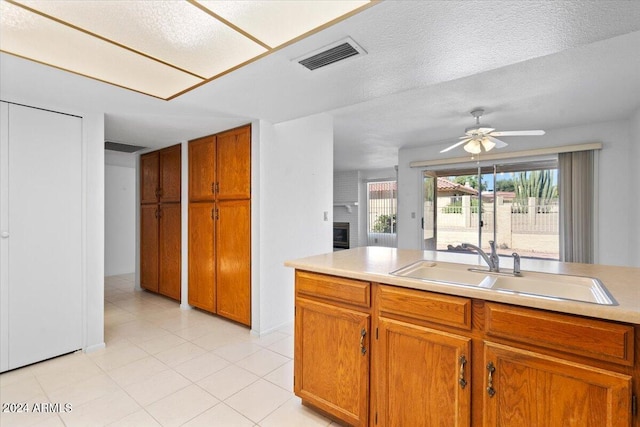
column 559, row 287
column 450, row 274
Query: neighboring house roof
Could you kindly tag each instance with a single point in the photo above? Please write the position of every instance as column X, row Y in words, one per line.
column 450, row 188
column 445, row 188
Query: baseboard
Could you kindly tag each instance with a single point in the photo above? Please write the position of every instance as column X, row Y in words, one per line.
column 95, row 347
column 273, row 329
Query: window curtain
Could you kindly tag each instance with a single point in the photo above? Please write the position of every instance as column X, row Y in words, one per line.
column 575, row 187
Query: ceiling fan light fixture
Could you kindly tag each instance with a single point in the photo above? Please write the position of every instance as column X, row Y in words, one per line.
column 482, row 137
column 488, row 144
column 473, row 147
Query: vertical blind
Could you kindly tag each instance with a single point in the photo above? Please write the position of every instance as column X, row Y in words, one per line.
column 575, row 186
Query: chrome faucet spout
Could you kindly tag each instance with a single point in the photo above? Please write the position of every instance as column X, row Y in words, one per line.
column 516, row 264
column 493, row 260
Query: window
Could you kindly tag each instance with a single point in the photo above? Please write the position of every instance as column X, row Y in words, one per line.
column 382, row 202
column 516, row 205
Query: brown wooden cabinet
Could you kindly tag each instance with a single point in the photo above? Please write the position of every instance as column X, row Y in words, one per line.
column 420, row 374
column 149, row 177
column 220, row 224
column 544, row 368
column 170, row 174
column 446, row 360
column 233, row 260
column 160, row 248
column 202, row 271
column 202, row 169
column 524, row 388
column 160, row 221
column 423, row 375
column 332, row 353
column 233, row 157
column 169, row 254
column 149, row 247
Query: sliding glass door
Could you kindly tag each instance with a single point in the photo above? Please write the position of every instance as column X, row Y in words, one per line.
column 515, row 205
column 429, row 207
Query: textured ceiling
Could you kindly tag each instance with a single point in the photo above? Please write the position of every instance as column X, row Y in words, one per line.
column 531, row 65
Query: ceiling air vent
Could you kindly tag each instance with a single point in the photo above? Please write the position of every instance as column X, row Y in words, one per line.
column 123, row 148
column 331, row 54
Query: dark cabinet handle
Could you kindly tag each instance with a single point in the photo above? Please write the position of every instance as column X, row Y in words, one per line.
column 461, row 380
column 490, row 390
column 363, row 333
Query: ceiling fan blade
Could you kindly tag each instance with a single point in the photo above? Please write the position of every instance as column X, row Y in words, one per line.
column 499, row 143
column 455, row 145
column 518, row 133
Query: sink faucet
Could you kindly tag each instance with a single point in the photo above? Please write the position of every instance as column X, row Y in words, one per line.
column 492, row 260
column 516, row 264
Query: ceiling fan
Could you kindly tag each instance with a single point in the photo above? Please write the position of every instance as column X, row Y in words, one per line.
column 482, row 136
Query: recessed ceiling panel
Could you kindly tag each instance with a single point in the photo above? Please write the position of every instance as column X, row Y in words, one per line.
column 173, row 31
column 276, row 22
column 32, row 36
column 159, row 47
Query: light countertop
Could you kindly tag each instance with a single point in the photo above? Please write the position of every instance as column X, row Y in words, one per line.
column 375, row 263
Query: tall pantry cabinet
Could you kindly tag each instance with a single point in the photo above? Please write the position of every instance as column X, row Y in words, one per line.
column 160, row 221
column 220, row 224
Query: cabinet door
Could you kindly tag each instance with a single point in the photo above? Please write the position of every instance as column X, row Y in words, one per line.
column 149, row 247
column 331, row 365
column 423, row 376
column 169, row 250
column 170, row 174
column 233, row 260
column 202, row 272
column 149, row 177
column 234, row 164
column 531, row 389
column 202, row 169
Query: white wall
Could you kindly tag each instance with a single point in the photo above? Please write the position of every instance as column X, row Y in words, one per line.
column 615, row 225
column 346, row 187
column 120, row 214
column 634, row 163
column 93, row 132
column 292, row 188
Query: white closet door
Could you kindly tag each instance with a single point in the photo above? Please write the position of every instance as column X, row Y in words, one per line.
column 45, row 235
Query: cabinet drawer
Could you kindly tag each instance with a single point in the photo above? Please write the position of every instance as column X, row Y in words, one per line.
column 331, row 288
column 421, row 305
column 597, row 339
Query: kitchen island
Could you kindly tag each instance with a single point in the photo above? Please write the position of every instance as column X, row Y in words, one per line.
column 372, row 348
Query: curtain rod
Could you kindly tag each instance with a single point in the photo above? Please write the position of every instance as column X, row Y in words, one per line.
column 510, row 155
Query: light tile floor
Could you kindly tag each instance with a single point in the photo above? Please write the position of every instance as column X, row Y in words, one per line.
column 163, row 366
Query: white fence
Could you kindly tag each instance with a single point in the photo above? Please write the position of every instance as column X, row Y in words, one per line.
column 532, row 229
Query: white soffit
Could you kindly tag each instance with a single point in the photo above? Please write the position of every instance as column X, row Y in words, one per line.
column 162, row 48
